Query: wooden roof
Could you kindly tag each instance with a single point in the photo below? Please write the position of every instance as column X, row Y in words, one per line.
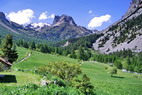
column 2, row 60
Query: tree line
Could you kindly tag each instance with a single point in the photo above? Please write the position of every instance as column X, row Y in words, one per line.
column 125, row 59
column 132, row 61
column 81, row 53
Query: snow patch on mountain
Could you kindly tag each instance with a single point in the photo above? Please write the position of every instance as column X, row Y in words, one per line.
column 39, row 25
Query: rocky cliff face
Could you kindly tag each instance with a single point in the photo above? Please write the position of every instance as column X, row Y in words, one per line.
column 2, row 15
column 124, row 34
column 63, row 28
column 18, row 31
column 4, row 23
column 134, row 5
column 63, row 19
column 3, row 18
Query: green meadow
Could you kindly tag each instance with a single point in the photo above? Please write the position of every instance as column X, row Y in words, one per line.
column 120, row 84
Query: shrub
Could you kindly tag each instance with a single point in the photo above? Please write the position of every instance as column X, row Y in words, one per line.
column 106, row 68
column 85, row 86
column 58, row 81
column 112, row 71
column 118, row 64
column 33, row 89
column 64, row 70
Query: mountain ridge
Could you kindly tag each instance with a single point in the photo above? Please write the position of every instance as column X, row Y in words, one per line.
column 63, row 28
column 125, row 33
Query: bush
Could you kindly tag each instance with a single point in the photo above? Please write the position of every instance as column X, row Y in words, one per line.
column 62, row 74
column 106, row 68
column 118, row 64
column 135, row 76
column 85, row 86
column 64, row 70
column 1, row 67
column 112, row 71
column 42, row 70
column 58, row 81
column 33, row 89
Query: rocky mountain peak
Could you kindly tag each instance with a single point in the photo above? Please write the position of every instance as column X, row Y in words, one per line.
column 125, row 33
column 134, row 5
column 2, row 15
column 63, row 19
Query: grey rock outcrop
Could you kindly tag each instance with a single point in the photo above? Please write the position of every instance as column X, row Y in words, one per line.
column 123, row 34
column 63, row 19
column 134, row 5
column 2, row 15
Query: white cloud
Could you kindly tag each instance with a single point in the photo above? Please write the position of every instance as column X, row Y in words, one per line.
column 44, row 16
column 98, row 21
column 90, row 12
column 22, row 16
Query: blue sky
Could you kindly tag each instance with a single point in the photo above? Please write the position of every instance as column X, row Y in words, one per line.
column 78, row 9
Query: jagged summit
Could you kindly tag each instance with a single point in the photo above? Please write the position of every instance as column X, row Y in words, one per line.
column 63, row 19
column 63, row 28
column 2, row 15
column 134, row 5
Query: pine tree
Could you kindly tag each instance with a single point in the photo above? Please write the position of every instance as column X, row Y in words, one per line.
column 42, row 49
column 46, row 50
column 33, row 46
column 72, row 55
column 88, row 54
column 25, row 45
column 81, row 54
column 85, row 86
column 10, row 54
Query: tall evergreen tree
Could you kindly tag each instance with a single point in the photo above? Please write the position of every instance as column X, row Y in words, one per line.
column 33, row 46
column 10, row 54
column 72, row 55
column 81, row 54
column 25, row 45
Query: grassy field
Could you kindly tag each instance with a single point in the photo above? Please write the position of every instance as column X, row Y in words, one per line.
column 22, row 52
column 39, row 59
column 121, row 84
column 15, row 78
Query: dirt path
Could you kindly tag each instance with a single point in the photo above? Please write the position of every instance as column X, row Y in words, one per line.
column 23, row 59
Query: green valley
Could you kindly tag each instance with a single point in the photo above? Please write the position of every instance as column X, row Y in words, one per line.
column 121, row 84
column 60, row 47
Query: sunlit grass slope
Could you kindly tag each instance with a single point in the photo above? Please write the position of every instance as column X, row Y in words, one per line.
column 121, row 84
